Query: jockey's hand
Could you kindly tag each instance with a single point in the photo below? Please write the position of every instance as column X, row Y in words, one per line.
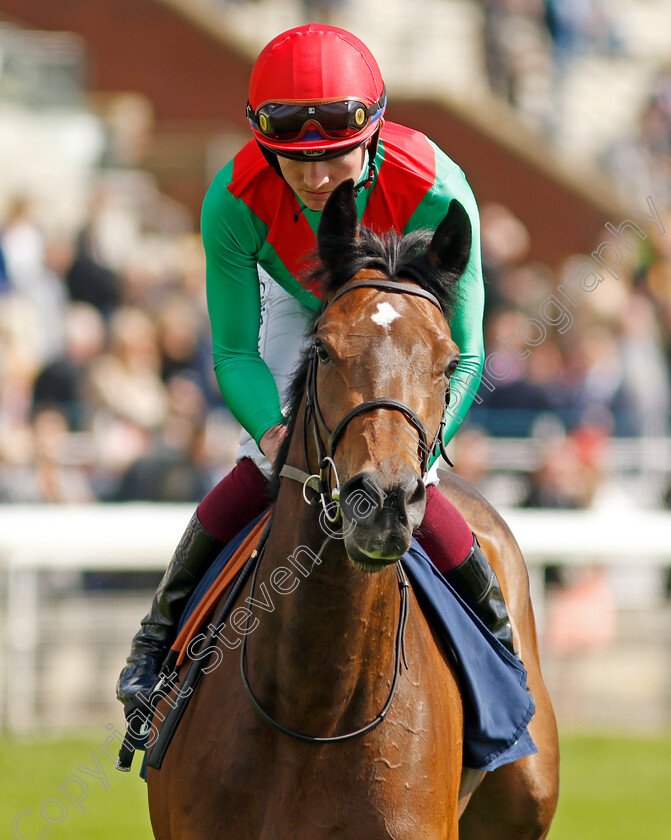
column 138, row 712
column 272, row 440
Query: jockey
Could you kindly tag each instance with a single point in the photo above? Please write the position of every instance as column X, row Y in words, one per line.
column 316, row 110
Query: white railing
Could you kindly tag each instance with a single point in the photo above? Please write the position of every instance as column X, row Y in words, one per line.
column 41, row 539
column 142, row 536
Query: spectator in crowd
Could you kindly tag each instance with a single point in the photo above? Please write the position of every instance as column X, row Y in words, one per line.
column 31, row 278
column 180, row 334
column 126, row 380
column 20, row 358
column 89, row 281
column 567, row 477
column 505, row 244
column 597, row 383
column 570, row 474
column 531, row 46
column 36, row 465
column 517, row 56
column 173, row 469
column 511, row 406
column 645, row 367
column 63, row 381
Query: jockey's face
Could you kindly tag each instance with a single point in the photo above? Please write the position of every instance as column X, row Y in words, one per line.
column 313, row 181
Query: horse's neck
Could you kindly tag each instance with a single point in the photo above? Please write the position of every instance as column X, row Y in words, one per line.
column 322, row 657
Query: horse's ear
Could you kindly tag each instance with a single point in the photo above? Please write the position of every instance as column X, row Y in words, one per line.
column 450, row 247
column 339, row 218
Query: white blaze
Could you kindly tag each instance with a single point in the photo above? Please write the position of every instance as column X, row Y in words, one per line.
column 385, row 314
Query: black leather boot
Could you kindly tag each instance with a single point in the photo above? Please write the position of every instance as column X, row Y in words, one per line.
column 476, row 582
column 194, row 554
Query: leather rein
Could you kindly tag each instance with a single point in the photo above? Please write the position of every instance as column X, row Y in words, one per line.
column 326, row 442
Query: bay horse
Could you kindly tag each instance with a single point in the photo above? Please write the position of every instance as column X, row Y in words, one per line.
column 377, row 749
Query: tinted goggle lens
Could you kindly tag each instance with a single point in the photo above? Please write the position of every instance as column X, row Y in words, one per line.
column 334, row 120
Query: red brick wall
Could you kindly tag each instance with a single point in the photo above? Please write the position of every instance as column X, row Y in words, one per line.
column 142, row 45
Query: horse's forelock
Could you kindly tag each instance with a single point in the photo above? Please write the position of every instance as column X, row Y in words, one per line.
column 398, row 257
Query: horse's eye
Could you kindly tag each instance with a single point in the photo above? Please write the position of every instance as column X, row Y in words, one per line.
column 322, row 353
column 451, row 367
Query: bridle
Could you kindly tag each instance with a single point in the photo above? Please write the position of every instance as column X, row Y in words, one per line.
column 326, row 440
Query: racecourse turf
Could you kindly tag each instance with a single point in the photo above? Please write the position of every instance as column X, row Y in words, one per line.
column 613, row 788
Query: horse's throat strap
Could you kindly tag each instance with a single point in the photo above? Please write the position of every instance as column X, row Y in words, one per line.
column 301, row 477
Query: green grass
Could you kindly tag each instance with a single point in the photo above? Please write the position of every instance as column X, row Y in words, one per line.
column 613, row 788
column 33, row 770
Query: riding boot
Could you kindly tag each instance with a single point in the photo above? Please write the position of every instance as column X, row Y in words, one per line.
column 194, row 554
column 476, row 582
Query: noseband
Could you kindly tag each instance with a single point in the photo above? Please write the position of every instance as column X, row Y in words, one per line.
column 326, row 440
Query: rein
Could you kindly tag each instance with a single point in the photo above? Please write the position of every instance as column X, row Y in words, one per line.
column 400, row 659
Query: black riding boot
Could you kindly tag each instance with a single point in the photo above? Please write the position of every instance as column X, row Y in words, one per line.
column 476, row 582
column 194, row 554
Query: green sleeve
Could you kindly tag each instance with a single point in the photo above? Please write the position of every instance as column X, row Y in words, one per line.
column 466, row 321
column 232, row 237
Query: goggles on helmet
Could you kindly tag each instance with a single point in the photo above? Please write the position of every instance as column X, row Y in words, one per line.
column 291, row 121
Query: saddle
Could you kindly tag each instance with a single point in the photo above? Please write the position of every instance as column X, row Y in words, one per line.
column 209, row 592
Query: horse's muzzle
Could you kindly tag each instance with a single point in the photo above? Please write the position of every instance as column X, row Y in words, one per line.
column 379, row 516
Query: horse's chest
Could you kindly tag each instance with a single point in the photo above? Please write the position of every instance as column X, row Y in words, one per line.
column 375, row 799
column 393, row 784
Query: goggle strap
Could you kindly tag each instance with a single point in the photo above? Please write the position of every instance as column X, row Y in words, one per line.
column 373, row 109
column 372, row 169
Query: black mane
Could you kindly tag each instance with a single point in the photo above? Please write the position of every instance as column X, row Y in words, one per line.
column 400, row 258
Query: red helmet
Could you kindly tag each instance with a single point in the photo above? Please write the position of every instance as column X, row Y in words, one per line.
column 315, row 90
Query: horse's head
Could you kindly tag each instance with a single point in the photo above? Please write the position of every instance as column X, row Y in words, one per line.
column 379, row 370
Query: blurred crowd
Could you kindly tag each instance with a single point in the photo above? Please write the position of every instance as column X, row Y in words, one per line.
column 530, row 45
column 107, row 390
column 607, row 363
column 642, row 157
column 530, row 48
column 106, row 383
column 603, row 374
column 608, row 374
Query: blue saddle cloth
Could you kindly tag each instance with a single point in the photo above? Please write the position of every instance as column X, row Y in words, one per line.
column 497, row 704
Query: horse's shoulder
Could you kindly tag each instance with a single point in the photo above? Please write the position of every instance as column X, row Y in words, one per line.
column 493, row 533
column 476, row 510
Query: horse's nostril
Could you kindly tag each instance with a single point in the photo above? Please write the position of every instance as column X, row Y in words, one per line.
column 360, row 497
column 418, row 495
column 365, row 498
column 416, row 505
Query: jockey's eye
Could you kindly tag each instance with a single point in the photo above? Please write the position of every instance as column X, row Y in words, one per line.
column 451, row 367
column 322, row 352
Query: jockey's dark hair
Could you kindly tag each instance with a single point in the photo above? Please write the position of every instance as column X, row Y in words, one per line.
column 400, row 258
